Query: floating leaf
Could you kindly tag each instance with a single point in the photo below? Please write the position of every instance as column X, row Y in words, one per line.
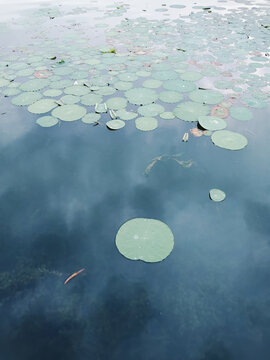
column 217, row 195
column 170, row 97
column 26, row 98
column 146, row 123
column 191, row 76
column 185, row 137
column 91, row 118
column 190, row 111
column 116, row 103
column 47, row 121
column 126, row 115
column 167, row 115
column 229, row 140
column 115, row 124
column 101, row 108
column 150, row 110
column 141, row 96
column 69, row 112
column 42, row 106
column 206, row 96
column 148, row 240
column 212, row 123
column 34, row 84
column 240, row 113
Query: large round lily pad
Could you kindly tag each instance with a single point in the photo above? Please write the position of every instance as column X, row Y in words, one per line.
column 141, row 96
column 26, row 98
column 170, row 96
column 240, row 113
column 190, row 111
column 117, row 103
column 206, row 96
column 42, row 106
column 148, row 240
column 69, row 112
column 229, row 140
column 212, row 123
column 34, row 84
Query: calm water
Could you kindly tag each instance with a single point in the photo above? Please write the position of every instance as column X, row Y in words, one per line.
column 66, row 190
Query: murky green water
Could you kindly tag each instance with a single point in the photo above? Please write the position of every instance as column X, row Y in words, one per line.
column 66, row 189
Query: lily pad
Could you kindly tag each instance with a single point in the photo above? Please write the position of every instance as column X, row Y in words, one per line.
column 179, row 85
column 229, row 140
column 69, row 112
column 167, row 115
column 115, row 124
column 148, row 240
column 206, row 96
column 152, row 83
column 191, row 76
column 170, row 97
column 141, row 96
column 150, row 110
column 126, row 115
column 91, row 118
column 212, row 123
column 42, row 106
column 217, row 195
column 116, row 103
column 190, row 111
column 52, row 92
column 70, row 99
column 26, row 98
column 34, row 84
column 77, row 90
column 240, row 113
column 146, row 123
column 47, row 121
column 91, row 99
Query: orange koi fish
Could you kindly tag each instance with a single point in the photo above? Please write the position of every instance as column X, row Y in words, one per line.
column 73, row 275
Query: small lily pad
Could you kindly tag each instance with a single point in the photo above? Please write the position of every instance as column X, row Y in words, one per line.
column 148, row 240
column 217, row 195
column 91, row 118
column 206, row 96
column 146, row 123
column 116, row 103
column 115, row 124
column 190, row 111
column 47, row 121
column 141, row 96
column 26, row 98
column 170, row 96
column 167, row 115
column 150, row 110
column 126, row 115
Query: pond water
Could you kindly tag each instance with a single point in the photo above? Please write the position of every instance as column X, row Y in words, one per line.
column 68, row 185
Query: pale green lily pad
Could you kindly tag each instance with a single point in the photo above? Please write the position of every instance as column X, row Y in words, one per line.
column 47, row 121
column 91, row 99
column 126, row 115
column 150, row 110
column 106, row 90
column 11, row 91
column 115, row 124
column 241, row 113
column 34, row 84
column 179, row 85
column 143, row 73
column 123, row 85
column 152, row 83
column 141, row 96
column 52, row 92
column 42, row 106
column 77, row 90
column 148, row 240
column 165, row 75
column 170, row 97
column 167, row 115
column 191, row 76
column 127, row 77
column 146, row 123
column 70, row 99
column 116, row 103
column 229, row 140
column 217, row 195
column 190, row 111
column 69, row 112
column 26, row 98
column 4, row 82
column 212, row 123
column 206, row 96
column 91, row 118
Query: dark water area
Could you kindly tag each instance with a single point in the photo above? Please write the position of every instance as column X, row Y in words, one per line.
column 64, row 193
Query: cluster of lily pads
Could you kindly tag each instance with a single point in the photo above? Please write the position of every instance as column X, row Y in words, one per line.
column 148, row 69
